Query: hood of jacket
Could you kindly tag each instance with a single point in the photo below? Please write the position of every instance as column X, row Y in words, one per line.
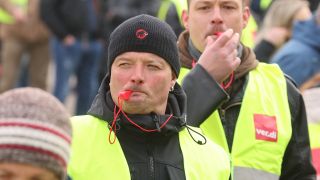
column 103, row 108
column 248, row 58
column 307, row 32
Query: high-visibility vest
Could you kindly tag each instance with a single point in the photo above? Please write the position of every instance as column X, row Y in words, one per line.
column 165, row 5
column 5, row 17
column 263, row 128
column 314, row 134
column 93, row 157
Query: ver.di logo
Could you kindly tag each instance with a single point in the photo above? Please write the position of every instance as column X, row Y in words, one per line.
column 266, row 127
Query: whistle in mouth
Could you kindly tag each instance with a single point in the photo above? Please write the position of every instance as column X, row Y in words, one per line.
column 217, row 33
column 125, row 95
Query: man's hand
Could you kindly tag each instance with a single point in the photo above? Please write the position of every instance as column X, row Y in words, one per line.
column 69, row 40
column 19, row 15
column 219, row 57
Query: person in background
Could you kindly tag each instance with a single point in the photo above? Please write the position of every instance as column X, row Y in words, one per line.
column 249, row 108
column 35, row 135
column 277, row 26
column 311, row 97
column 23, row 33
column 136, row 127
column 76, row 46
column 170, row 11
column 300, row 57
column 261, row 7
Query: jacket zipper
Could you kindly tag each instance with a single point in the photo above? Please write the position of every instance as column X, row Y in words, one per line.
column 223, row 115
column 223, row 110
column 151, row 161
column 151, row 167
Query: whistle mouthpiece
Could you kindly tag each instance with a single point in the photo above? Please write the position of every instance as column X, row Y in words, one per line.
column 125, row 95
column 217, row 33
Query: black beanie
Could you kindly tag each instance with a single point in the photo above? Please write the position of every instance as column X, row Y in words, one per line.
column 144, row 33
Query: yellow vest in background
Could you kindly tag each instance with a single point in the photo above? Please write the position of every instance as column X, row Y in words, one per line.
column 5, row 17
column 264, row 4
column 165, row 5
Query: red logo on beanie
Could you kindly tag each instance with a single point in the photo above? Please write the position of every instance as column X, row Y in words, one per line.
column 141, row 33
column 266, row 127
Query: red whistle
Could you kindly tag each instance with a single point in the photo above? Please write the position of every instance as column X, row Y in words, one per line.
column 125, row 95
column 217, row 33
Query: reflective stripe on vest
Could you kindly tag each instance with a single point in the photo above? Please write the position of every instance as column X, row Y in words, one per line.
column 263, row 127
column 92, row 157
column 314, row 134
column 5, row 17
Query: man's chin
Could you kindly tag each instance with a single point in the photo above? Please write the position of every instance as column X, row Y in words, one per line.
column 135, row 110
column 134, row 106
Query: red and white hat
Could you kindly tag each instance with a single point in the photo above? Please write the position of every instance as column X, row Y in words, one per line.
column 34, row 129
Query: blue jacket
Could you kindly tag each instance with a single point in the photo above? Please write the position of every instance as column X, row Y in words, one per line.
column 300, row 56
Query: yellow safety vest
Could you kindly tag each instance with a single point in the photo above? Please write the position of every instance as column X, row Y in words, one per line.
column 6, row 18
column 263, row 128
column 165, row 5
column 314, row 134
column 93, row 157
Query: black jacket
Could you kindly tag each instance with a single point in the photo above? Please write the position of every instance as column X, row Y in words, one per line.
column 155, row 155
column 264, row 51
column 205, row 96
column 64, row 17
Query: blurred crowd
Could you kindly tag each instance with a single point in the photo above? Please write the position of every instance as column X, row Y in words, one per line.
column 60, row 46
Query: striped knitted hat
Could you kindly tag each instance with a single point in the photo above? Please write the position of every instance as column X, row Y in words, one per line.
column 34, row 129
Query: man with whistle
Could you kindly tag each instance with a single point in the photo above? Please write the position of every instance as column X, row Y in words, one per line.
column 136, row 127
column 251, row 109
